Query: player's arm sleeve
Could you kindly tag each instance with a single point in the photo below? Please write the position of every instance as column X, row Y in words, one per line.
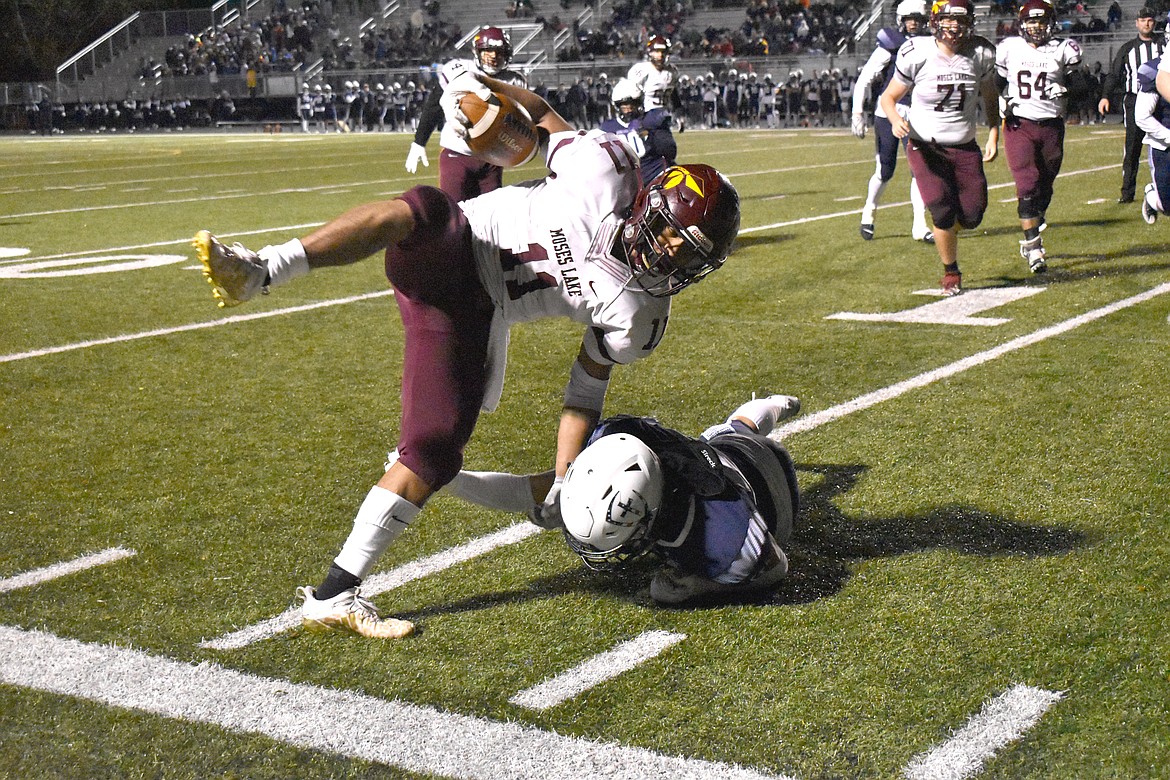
column 1143, row 114
column 430, row 117
column 584, row 400
column 869, row 72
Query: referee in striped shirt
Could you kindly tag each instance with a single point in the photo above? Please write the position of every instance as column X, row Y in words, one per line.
column 1123, row 76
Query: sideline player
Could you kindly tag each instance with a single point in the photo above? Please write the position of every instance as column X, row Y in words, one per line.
column 875, row 75
column 647, row 132
column 461, row 175
column 944, row 74
column 586, row 242
column 717, row 508
column 1032, row 73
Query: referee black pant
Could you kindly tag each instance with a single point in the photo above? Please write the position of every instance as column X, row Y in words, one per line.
column 1133, row 150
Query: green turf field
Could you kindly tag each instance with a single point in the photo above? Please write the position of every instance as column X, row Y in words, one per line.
column 978, row 581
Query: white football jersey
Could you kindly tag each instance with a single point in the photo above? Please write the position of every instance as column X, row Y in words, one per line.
column 945, row 91
column 1037, row 77
column 543, row 247
column 448, row 139
column 654, row 83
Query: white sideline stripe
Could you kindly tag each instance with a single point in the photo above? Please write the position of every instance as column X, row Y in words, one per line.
column 1002, row 721
column 194, row 326
column 37, row 576
column 392, row 733
column 598, row 669
column 818, row 419
column 380, row 583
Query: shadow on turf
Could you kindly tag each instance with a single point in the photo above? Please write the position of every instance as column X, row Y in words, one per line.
column 823, row 549
column 826, row 542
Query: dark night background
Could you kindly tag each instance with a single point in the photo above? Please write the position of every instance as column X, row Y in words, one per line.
column 38, row 35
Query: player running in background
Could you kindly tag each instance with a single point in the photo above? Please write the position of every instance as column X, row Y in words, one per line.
column 945, row 76
column 586, row 242
column 1032, row 73
column 461, row 175
column 718, row 508
column 654, row 76
column 647, row 132
column 873, row 77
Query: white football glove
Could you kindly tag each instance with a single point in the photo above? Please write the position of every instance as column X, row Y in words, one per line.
column 418, row 154
column 548, row 514
column 858, row 126
column 459, row 84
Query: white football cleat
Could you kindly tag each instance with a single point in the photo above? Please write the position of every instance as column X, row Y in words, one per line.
column 348, row 611
column 1032, row 250
column 1149, row 213
column 235, row 274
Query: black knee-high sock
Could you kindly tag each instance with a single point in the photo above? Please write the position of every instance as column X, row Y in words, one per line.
column 336, row 580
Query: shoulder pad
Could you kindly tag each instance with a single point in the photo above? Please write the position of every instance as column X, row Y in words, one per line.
column 890, row 38
column 1147, row 74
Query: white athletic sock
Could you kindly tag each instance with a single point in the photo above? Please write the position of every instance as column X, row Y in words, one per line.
column 382, row 517
column 493, row 489
column 285, row 261
column 873, row 195
column 920, row 229
column 766, row 412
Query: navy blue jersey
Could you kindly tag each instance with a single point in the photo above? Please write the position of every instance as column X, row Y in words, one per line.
column 713, row 490
column 651, row 139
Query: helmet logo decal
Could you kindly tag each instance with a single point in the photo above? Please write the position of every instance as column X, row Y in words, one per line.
column 681, row 176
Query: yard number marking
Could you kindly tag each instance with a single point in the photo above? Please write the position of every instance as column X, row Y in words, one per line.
column 956, row 310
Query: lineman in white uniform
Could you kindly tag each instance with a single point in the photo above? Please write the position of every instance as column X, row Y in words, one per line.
column 1032, row 74
column 944, row 76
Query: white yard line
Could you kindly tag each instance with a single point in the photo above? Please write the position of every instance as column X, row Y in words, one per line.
column 392, row 733
column 1002, row 720
column 232, row 320
column 380, row 583
column 44, row 574
column 598, row 669
column 817, row 419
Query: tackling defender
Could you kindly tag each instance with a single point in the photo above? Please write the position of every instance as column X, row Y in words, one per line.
column 1152, row 114
column 718, row 508
column 586, row 243
column 647, row 132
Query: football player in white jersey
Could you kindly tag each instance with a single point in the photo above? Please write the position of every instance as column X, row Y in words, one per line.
column 461, row 175
column 945, row 75
column 655, row 76
column 584, row 243
column 876, row 74
column 1032, row 71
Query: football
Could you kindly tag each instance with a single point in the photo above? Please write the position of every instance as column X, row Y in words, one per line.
column 501, row 133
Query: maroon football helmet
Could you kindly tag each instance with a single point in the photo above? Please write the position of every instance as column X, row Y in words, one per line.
column 1037, row 22
column 963, row 14
column 700, row 206
column 658, row 49
column 492, row 39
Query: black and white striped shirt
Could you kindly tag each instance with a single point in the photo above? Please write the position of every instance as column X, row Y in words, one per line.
column 1131, row 56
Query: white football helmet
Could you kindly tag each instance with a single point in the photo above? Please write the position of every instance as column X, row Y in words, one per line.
column 609, row 499
column 627, row 99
